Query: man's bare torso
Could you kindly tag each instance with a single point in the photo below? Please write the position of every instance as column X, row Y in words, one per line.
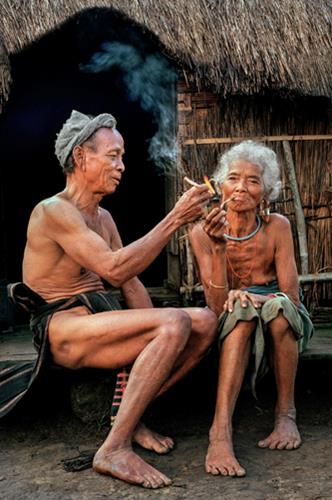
column 47, row 268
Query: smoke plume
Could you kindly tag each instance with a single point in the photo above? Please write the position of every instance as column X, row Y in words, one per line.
column 149, row 79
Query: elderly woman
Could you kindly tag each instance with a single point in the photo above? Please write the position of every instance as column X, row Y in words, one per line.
column 247, row 267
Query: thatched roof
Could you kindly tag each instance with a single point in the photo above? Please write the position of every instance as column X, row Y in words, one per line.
column 233, row 46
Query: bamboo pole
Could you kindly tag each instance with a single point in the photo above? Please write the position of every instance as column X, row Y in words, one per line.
column 265, row 138
column 299, row 214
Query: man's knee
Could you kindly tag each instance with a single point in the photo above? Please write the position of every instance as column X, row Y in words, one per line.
column 175, row 326
column 67, row 354
column 204, row 324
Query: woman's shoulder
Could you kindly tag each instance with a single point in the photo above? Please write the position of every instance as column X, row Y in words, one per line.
column 278, row 220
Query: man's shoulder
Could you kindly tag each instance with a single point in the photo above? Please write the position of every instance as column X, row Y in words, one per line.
column 53, row 207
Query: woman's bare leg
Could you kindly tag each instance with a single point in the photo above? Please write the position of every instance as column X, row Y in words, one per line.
column 285, row 434
column 234, row 357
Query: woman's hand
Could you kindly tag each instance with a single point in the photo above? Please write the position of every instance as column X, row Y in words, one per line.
column 245, row 297
column 214, row 225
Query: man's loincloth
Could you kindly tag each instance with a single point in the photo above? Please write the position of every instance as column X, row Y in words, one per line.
column 298, row 319
column 17, row 378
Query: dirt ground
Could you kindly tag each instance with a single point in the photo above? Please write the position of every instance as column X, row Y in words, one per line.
column 35, row 439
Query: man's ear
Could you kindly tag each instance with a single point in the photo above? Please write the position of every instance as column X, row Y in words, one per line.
column 78, row 156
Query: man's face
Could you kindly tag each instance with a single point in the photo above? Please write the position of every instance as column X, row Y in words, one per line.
column 103, row 163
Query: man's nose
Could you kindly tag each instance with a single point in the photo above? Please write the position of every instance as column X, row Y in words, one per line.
column 121, row 166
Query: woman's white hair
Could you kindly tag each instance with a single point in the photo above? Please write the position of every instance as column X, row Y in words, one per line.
column 257, row 154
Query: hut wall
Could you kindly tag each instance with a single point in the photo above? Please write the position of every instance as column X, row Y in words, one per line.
column 202, row 114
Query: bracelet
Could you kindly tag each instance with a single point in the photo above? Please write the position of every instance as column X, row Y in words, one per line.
column 217, row 286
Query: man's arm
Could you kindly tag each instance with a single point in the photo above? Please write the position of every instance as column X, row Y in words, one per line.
column 134, row 292
column 66, row 226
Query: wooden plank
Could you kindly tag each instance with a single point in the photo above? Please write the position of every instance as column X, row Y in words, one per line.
column 303, row 278
column 265, row 138
column 320, row 345
column 17, row 345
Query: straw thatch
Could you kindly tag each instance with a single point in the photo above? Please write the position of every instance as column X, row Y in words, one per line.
column 233, row 46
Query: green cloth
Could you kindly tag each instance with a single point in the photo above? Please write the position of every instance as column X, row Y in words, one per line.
column 298, row 319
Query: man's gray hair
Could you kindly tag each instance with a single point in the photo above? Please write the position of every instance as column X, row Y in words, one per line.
column 77, row 130
column 257, row 154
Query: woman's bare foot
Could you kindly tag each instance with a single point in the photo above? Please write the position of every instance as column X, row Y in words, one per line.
column 285, row 435
column 151, row 440
column 126, row 465
column 220, row 459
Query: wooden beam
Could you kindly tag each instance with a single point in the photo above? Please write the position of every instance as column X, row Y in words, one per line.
column 266, row 138
column 299, row 214
column 303, row 278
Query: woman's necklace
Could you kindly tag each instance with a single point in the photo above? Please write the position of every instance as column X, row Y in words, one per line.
column 244, row 238
column 241, row 277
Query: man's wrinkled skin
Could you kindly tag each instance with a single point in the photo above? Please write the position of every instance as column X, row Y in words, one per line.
column 72, row 243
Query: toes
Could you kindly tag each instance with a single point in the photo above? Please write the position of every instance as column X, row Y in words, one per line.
column 263, row 443
column 293, row 445
column 223, row 471
column 282, row 445
column 156, row 481
column 211, row 469
column 241, row 472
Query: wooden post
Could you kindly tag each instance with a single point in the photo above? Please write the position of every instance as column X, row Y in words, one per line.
column 299, row 214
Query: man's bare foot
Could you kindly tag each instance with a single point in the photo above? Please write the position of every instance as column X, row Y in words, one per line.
column 285, row 435
column 151, row 440
column 126, row 465
column 220, row 459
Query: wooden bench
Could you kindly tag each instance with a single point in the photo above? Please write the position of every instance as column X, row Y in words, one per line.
column 16, row 344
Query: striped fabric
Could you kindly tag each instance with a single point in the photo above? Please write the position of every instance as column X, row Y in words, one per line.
column 16, row 378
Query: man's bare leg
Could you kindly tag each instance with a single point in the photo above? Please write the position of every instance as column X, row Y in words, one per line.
column 151, row 341
column 234, row 357
column 151, row 368
column 204, row 323
column 285, row 435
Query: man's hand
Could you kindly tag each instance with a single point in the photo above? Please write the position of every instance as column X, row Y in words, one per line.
column 192, row 203
column 245, row 297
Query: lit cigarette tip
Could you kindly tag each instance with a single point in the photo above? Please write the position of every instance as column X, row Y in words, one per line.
column 209, row 185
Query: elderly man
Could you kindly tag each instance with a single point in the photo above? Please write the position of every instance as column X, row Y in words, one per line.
column 72, row 244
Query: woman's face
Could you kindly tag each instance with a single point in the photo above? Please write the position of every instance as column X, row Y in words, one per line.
column 244, row 185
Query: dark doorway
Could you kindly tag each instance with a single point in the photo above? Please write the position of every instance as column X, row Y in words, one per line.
column 48, row 83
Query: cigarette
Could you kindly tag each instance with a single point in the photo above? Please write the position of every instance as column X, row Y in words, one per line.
column 209, row 185
column 226, row 201
column 190, row 182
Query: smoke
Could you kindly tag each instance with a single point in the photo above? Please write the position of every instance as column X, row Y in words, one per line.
column 149, row 79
